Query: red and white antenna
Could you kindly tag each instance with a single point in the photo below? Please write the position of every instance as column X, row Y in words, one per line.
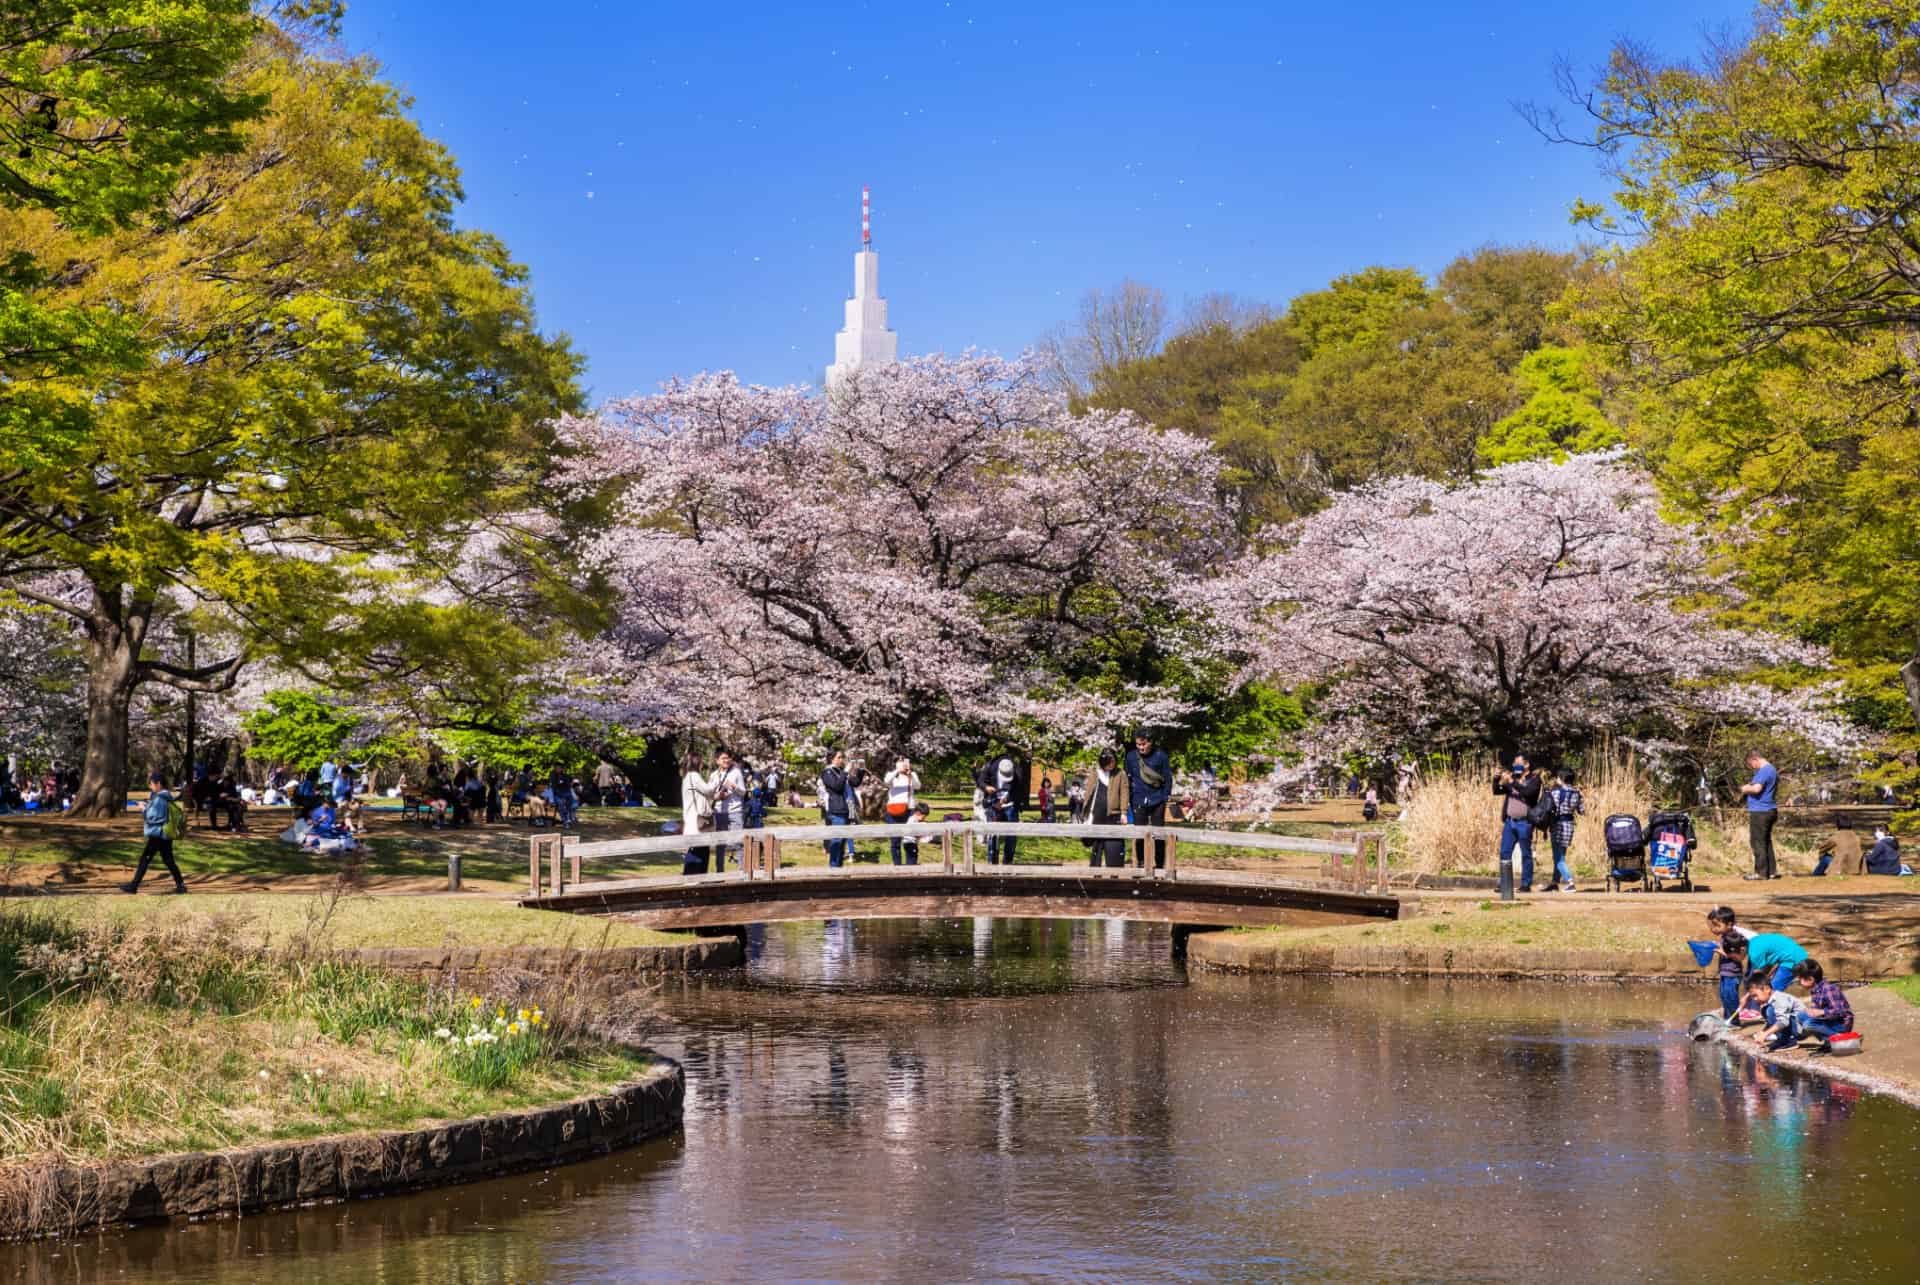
column 866, row 218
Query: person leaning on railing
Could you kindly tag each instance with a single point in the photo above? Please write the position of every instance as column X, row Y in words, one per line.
column 1149, row 786
column 1105, row 803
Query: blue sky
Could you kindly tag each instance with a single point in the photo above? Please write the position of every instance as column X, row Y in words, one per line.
column 683, row 180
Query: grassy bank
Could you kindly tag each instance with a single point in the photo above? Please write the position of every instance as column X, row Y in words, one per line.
column 1488, row 923
column 274, row 921
column 1907, row 988
column 129, row 1038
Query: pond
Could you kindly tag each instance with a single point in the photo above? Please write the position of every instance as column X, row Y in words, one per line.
column 1022, row 1098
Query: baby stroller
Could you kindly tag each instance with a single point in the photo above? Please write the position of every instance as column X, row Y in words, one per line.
column 1626, row 853
column 1670, row 844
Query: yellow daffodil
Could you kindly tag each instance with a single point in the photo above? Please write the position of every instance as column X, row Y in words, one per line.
column 513, row 1028
column 524, row 1015
column 476, row 1001
column 534, row 1020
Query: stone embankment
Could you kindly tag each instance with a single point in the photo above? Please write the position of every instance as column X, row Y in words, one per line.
column 68, row 1198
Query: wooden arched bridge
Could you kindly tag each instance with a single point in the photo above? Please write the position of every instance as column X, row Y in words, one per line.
column 953, row 881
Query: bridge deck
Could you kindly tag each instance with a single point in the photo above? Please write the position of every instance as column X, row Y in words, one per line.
column 1200, row 897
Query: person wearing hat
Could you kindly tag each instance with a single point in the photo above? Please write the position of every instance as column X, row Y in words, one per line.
column 1003, row 804
column 1519, row 790
column 1149, row 786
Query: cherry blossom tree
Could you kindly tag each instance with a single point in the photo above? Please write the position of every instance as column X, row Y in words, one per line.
column 1538, row 607
column 909, row 558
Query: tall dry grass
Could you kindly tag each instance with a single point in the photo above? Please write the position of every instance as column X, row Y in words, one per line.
column 1452, row 823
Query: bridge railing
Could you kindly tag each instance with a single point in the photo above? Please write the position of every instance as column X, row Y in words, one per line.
column 1344, row 861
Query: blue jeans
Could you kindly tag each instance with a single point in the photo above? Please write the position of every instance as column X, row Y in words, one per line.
column 913, row 848
column 1801, row 1027
column 1562, row 872
column 1729, row 997
column 1820, row 867
column 838, row 850
column 1783, row 977
column 1000, row 847
column 1518, row 833
column 567, row 808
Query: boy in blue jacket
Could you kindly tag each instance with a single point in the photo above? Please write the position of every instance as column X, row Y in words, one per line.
column 154, row 821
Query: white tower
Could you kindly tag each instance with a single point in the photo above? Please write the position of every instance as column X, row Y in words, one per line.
column 865, row 339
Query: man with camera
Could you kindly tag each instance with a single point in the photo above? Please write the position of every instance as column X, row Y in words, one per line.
column 1519, row 788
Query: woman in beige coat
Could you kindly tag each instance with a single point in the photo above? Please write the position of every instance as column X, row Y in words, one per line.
column 1105, row 803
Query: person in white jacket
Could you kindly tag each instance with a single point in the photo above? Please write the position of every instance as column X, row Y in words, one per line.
column 696, row 812
column 903, row 791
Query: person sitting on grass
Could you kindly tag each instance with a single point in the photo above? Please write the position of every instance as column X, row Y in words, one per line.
column 1885, row 857
column 1780, row 1012
column 1827, row 1012
column 1840, row 851
column 1772, row 953
column 353, row 816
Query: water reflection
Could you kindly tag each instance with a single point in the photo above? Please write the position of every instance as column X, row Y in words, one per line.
column 990, row 1098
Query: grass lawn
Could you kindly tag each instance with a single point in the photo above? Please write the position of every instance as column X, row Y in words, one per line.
column 1489, row 924
column 1907, row 988
column 53, row 851
column 151, row 1037
column 273, row 920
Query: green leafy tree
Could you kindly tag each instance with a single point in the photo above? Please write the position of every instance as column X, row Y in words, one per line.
column 299, row 728
column 1766, row 294
column 1561, row 415
column 332, row 456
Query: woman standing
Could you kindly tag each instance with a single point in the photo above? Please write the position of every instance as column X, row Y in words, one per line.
column 903, row 791
column 696, row 812
column 1106, row 804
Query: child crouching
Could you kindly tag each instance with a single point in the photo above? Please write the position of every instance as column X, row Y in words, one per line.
column 1827, row 1012
column 1780, row 1012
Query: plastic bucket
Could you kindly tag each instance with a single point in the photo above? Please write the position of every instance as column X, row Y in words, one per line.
column 1844, row 1045
column 1703, row 952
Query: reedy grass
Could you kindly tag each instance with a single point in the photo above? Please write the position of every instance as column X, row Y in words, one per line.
column 128, row 1038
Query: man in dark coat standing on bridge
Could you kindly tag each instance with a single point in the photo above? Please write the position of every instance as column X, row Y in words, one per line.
column 1149, row 786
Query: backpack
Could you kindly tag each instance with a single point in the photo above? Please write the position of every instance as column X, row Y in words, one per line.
column 176, row 826
column 1542, row 811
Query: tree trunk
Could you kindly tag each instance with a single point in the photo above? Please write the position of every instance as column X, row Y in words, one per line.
column 1910, row 679
column 112, row 671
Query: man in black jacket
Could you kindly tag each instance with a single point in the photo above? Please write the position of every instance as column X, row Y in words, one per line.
column 835, row 792
column 1149, row 786
column 1519, row 790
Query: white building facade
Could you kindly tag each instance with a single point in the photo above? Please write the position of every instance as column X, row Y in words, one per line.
column 865, row 339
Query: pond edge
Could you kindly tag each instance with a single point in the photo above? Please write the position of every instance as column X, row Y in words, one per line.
column 64, row 1199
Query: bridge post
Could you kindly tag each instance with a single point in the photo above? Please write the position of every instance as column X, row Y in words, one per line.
column 749, row 854
column 573, row 864
column 533, row 864
column 554, row 845
column 969, row 852
column 1173, row 860
column 1359, row 859
column 1380, row 859
column 946, row 851
column 773, row 857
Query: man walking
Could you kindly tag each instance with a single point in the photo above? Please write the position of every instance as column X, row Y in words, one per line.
column 160, row 827
column 1762, row 812
column 1149, row 786
column 1568, row 806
